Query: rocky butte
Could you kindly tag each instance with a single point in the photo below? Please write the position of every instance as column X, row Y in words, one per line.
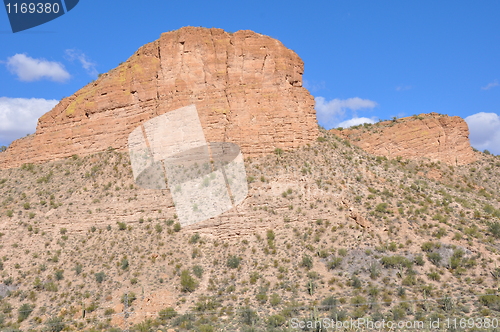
column 247, row 89
column 433, row 136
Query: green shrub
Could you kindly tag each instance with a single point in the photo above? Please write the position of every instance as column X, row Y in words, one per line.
column 419, row 260
column 109, row 312
column 434, row 257
column 276, row 320
column 328, row 303
column 167, row 314
column 434, row 276
column 254, row 276
column 8, row 281
column 334, row 263
column 128, row 298
column 50, row 287
column 186, row 321
column 494, row 229
column 248, row 316
column 382, row 208
column 275, row 299
column 6, row 307
column 490, row 300
column 28, row 167
column 78, row 269
column 374, row 270
column 307, row 262
column 177, row 227
column 24, row 311
column 54, row 324
column 398, row 314
column 100, row 276
column 395, row 261
column 194, row 238
column 198, row 271
column 124, row 263
column 205, row 328
column 270, row 235
column 188, row 284
column 355, row 282
column 233, row 262
column 121, row 226
column 206, row 303
column 358, row 300
column 262, row 295
column 428, row 246
column 59, row 274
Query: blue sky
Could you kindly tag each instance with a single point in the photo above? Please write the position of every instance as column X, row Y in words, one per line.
column 364, row 60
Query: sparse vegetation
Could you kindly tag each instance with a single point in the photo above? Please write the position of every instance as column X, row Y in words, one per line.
column 300, row 250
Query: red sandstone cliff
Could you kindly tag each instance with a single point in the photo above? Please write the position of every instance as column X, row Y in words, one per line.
column 247, row 88
column 433, row 136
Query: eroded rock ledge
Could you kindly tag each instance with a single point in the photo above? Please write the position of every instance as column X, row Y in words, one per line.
column 433, row 136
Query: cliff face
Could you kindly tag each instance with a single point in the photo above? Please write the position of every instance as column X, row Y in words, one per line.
column 433, row 136
column 247, row 88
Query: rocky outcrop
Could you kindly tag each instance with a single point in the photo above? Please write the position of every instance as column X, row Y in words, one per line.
column 433, row 136
column 247, row 88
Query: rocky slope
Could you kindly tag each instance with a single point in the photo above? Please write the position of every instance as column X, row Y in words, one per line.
column 433, row 136
column 247, row 88
column 327, row 231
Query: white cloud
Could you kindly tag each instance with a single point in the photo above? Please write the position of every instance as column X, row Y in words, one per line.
column 333, row 112
column 484, row 131
column 19, row 116
column 29, row 69
column 89, row 66
column 490, row 85
column 403, row 87
column 355, row 122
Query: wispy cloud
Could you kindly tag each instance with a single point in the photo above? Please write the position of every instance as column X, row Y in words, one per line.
column 404, row 87
column 28, row 69
column 491, row 85
column 314, row 85
column 19, row 116
column 331, row 113
column 484, row 131
column 87, row 64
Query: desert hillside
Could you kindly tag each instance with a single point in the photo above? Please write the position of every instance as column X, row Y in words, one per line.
column 327, row 230
column 395, row 222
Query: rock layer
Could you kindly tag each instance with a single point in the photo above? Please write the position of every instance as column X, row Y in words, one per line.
column 433, row 136
column 247, row 88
